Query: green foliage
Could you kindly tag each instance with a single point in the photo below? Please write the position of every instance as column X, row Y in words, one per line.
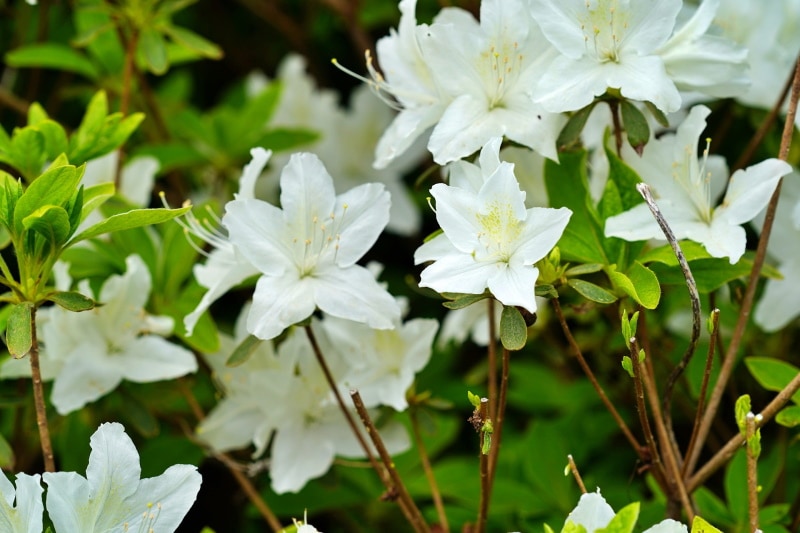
column 513, row 331
column 243, row 350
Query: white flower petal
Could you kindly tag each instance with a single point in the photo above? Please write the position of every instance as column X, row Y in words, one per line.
column 279, row 302
column 353, row 293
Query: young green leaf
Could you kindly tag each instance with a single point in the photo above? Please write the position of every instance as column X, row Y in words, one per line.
column 460, row 301
column 570, row 135
column 72, row 301
column 636, row 128
column 154, row 50
column 640, row 283
column 51, row 222
column 19, row 335
column 243, row 351
column 513, row 332
column 701, row 526
column 742, row 408
column 592, row 292
column 52, row 55
column 789, row 416
column 134, row 218
column 773, row 374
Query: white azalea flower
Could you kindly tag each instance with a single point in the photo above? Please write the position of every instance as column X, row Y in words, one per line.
column 606, row 44
column 489, row 240
column 668, row 526
column 136, row 178
column 771, row 39
column 313, row 429
column 225, row 267
column 592, row 512
column 306, row 252
column 89, row 353
column 780, row 301
column 382, row 363
column 21, row 508
column 488, row 69
column 346, row 143
column 408, row 79
column 698, row 61
column 254, row 393
column 686, row 188
column 112, row 497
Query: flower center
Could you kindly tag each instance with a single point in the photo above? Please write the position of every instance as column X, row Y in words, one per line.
column 321, row 242
column 149, row 519
column 694, row 180
column 499, row 229
column 604, row 28
column 500, row 67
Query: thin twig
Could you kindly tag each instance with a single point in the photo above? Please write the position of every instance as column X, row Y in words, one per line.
column 670, row 457
column 641, row 409
column 483, row 507
column 703, row 386
column 752, row 472
column 576, row 350
column 694, row 296
column 436, row 495
column 38, row 399
column 244, row 482
column 415, row 516
column 497, row 433
column 747, row 302
column 492, row 359
column 14, row 102
column 575, row 474
column 722, row 457
column 343, row 407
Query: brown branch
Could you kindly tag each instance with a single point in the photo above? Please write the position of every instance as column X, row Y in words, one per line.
column 414, row 516
column 747, row 302
column 726, row 452
column 348, row 11
column 575, row 474
column 694, row 296
column 38, row 399
column 492, row 359
column 483, row 507
column 752, row 473
column 576, row 350
column 270, row 12
column 497, row 433
column 703, row 386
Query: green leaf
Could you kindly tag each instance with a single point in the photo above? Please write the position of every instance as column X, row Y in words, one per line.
column 627, row 364
column 282, row 139
column 572, row 527
column 72, row 301
column 692, row 251
column 6, row 454
column 154, row 50
column 474, row 399
column 742, row 408
column 52, row 55
column 636, row 127
column 90, row 128
column 640, row 283
column 789, row 416
column 460, row 301
column 19, row 335
column 28, row 152
column 513, row 332
column 592, row 292
column 701, row 526
column 55, row 187
column 193, row 41
column 567, row 186
column 134, row 218
column 580, row 270
column 659, row 115
column 570, row 135
column 55, row 138
column 624, row 521
column 773, row 374
column 243, row 351
column 95, row 196
column 50, row 221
